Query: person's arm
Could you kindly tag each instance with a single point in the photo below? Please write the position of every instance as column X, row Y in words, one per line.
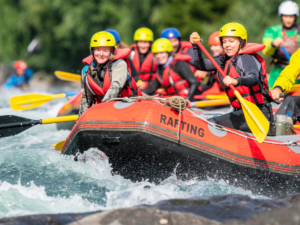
column 203, row 64
column 28, row 73
column 86, row 96
column 134, row 73
column 288, row 76
column 183, row 70
column 118, row 79
column 190, row 52
column 248, row 65
column 271, row 40
column 152, row 87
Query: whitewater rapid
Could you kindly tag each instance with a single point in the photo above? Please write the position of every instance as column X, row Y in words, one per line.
column 35, row 179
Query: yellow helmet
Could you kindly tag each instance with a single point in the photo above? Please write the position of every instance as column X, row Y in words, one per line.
column 233, row 30
column 162, row 45
column 143, row 34
column 103, row 39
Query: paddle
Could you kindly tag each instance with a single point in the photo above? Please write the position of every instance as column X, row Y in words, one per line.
column 11, row 125
column 222, row 96
column 210, row 103
column 287, row 55
column 31, row 101
column 68, row 76
column 255, row 119
column 59, row 146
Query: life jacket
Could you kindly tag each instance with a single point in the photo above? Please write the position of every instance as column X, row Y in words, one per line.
column 99, row 90
column 184, row 47
column 147, row 70
column 291, row 44
column 171, row 81
column 253, row 94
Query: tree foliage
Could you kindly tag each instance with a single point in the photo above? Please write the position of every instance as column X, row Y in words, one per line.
column 65, row 27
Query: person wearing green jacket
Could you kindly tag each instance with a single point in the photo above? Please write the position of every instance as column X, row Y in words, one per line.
column 284, row 35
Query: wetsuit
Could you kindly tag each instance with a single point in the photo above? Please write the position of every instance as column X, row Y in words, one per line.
column 249, row 69
column 182, row 69
column 291, row 43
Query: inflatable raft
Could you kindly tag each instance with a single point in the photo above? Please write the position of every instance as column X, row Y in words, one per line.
column 70, row 108
column 141, row 140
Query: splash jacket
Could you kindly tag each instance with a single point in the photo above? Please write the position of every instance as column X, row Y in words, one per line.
column 249, row 69
column 100, row 87
column 176, row 78
column 146, row 68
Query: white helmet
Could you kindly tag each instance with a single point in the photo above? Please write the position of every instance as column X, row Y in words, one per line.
column 288, row 8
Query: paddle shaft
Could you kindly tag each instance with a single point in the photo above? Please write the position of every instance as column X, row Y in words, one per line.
column 21, row 124
column 287, row 55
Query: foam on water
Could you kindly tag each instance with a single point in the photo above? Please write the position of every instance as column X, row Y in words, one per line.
column 35, row 179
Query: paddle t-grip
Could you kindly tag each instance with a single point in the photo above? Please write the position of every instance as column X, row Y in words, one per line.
column 281, row 95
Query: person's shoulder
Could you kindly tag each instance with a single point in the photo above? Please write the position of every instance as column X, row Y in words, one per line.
column 119, row 63
column 274, row 29
column 84, row 69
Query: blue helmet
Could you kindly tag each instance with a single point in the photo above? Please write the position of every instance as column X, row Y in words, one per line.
column 115, row 34
column 170, row 32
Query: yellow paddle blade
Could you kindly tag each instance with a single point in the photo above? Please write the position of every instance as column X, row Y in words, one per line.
column 60, row 119
column 296, row 87
column 255, row 119
column 210, row 103
column 59, row 146
column 68, row 76
column 217, row 96
column 31, row 101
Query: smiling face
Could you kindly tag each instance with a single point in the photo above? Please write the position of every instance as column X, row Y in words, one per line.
column 143, row 46
column 102, row 54
column 175, row 43
column 231, row 45
column 162, row 57
column 288, row 21
column 217, row 50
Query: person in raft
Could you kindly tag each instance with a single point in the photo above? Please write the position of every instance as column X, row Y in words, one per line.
column 245, row 69
column 286, row 35
column 21, row 77
column 142, row 57
column 107, row 73
column 173, row 72
column 284, row 83
column 217, row 50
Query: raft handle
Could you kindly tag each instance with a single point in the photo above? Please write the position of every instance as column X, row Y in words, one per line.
column 219, row 127
column 110, row 139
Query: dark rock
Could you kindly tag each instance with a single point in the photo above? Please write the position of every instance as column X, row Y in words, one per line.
column 225, row 207
column 50, row 219
column 143, row 216
column 289, row 215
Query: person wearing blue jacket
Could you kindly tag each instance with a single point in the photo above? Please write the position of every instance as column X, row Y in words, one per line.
column 21, row 77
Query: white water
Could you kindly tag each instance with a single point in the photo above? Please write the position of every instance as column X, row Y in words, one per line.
column 35, row 179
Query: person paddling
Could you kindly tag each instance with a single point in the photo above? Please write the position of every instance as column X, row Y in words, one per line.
column 173, row 72
column 283, row 35
column 142, row 57
column 217, row 50
column 107, row 73
column 245, row 69
column 21, row 77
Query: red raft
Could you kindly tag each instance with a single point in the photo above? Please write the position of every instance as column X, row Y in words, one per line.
column 140, row 139
column 70, row 108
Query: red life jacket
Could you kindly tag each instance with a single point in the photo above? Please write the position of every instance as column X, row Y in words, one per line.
column 130, row 88
column 147, row 70
column 253, row 94
column 171, row 81
column 184, row 47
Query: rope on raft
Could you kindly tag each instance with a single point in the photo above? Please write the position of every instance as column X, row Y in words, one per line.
column 179, row 103
column 175, row 102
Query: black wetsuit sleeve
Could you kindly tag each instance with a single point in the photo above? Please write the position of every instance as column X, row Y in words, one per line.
column 249, row 71
column 190, row 52
column 184, row 71
column 152, row 87
column 203, row 64
column 134, row 73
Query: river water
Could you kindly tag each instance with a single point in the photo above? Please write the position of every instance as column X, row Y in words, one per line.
column 35, row 179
